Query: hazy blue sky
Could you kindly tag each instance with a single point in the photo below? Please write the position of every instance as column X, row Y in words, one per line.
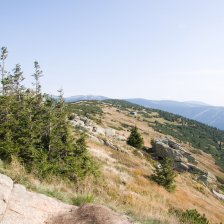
column 156, row 49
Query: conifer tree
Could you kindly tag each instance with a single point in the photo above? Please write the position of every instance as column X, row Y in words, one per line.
column 4, row 55
column 17, row 79
column 37, row 75
column 164, row 175
column 35, row 129
column 135, row 139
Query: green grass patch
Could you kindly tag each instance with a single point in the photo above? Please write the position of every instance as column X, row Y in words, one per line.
column 83, row 199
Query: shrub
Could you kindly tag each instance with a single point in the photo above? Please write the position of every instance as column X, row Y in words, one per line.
column 83, row 199
column 164, row 175
column 152, row 142
column 153, row 221
column 220, row 179
column 190, row 217
column 135, row 139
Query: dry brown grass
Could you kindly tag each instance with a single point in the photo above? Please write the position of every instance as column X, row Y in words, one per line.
column 124, row 184
column 118, row 118
column 145, row 199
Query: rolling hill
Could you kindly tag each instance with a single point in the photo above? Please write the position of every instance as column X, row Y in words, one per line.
column 123, row 180
column 206, row 114
column 126, row 170
column 198, row 111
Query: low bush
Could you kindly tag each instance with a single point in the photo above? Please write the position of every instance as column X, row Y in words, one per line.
column 190, row 216
column 220, row 179
column 83, row 199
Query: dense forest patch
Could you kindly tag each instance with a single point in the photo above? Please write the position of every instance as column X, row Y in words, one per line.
column 36, row 131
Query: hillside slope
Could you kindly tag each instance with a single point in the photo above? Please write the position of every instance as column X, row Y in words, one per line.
column 198, row 111
column 126, row 171
column 210, row 115
column 124, row 182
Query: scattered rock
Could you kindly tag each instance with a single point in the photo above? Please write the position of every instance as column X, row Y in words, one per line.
column 121, row 138
column 208, row 178
column 92, row 127
column 196, row 170
column 135, row 113
column 99, row 130
column 95, row 139
column 110, row 132
column 218, row 195
column 191, row 159
column 78, row 122
column 110, row 144
column 181, row 167
column 211, row 178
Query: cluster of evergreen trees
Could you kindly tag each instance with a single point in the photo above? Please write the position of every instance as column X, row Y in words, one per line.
column 35, row 128
column 164, row 174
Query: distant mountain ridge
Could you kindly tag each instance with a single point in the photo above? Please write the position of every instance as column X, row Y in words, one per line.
column 199, row 111
column 210, row 115
column 84, row 97
column 197, row 103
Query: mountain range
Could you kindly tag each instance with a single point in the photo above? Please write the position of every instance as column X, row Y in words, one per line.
column 199, row 111
column 76, row 98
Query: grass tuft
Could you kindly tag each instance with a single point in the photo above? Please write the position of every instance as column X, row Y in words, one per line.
column 83, row 199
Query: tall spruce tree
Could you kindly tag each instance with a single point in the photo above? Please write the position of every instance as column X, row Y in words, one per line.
column 4, row 55
column 17, row 80
column 37, row 75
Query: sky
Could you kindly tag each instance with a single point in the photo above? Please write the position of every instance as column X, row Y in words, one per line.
column 153, row 49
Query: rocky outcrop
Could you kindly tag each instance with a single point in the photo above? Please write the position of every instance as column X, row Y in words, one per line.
column 218, row 195
column 19, row 206
column 208, row 178
column 95, row 129
column 110, row 144
column 183, row 160
column 164, row 148
column 6, row 186
column 181, row 167
column 196, row 170
column 92, row 127
column 24, row 207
